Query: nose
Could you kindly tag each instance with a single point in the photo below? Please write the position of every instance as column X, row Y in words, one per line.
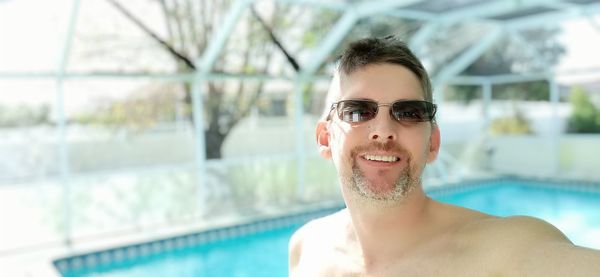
column 383, row 127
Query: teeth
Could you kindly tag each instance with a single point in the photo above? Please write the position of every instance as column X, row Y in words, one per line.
column 381, row 158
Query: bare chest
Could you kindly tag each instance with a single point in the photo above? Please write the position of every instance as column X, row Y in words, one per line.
column 327, row 260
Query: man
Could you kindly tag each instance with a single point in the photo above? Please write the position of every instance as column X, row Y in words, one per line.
column 380, row 132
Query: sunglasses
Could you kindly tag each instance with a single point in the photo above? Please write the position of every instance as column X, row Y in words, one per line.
column 356, row 111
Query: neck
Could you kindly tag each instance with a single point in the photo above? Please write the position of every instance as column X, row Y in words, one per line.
column 389, row 230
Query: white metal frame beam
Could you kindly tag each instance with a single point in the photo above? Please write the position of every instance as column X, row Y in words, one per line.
column 593, row 22
column 63, row 146
column 317, row 3
column 467, row 57
column 343, row 26
column 411, row 14
column 422, row 36
column 337, row 33
column 534, row 53
column 203, row 67
column 478, row 12
column 217, row 44
column 367, row 8
column 499, row 79
column 488, row 9
column 561, row 5
column 552, row 18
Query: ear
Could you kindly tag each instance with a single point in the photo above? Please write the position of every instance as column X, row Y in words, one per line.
column 323, row 139
column 434, row 143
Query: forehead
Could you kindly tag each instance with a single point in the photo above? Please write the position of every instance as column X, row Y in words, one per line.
column 381, row 82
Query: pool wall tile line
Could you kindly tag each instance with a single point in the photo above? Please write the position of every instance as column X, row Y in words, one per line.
column 135, row 251
column 562, row 184
column 473, row 184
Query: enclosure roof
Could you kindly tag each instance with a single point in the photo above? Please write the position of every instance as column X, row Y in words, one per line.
column 501, row 19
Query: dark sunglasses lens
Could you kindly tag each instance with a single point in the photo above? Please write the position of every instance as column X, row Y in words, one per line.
column 356, row 110
column 413, row 111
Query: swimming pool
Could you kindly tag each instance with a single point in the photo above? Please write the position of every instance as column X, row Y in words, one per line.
column 260, row 248
column 574, row 208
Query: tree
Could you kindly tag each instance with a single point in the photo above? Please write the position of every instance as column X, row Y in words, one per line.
column 144, row 108
column 515, row 124
column 532, row 91
column 585, row 117
column 373, row 26
column 508, row 57
column 22, row 115
column 190, row 25
column 462, row 93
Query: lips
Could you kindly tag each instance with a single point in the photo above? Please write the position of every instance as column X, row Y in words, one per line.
column 382, row 155
column 381, row 158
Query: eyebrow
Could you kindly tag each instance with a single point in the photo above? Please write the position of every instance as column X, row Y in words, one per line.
column 368, row 99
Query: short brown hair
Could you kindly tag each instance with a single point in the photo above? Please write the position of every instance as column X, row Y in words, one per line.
column 367, row 51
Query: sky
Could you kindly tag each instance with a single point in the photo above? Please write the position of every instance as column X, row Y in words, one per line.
column 582, row 40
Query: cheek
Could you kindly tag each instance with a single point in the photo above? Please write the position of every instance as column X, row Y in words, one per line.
column 341, row 145
column 338, row 147
column 427, row 147
column 419, row 147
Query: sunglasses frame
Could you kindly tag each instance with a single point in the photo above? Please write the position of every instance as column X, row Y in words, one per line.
column 335, row 105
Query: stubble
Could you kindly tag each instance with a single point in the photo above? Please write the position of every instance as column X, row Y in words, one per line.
column 374, row 193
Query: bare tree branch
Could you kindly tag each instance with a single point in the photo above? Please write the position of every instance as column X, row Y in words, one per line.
column 242, row 112
column 276, row 41
column 215, row 99
column 190, row 8
column 179, row 24
column 165, row 10
column 246, row 61
column 205, row 23
column 149, row 32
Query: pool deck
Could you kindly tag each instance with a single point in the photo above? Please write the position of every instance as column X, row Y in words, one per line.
column 31, row 263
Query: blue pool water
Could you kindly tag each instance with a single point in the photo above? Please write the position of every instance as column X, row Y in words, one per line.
column 576, row 213
column 260, row 254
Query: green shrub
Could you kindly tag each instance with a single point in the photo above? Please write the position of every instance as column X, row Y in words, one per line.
column 585, row 116
column 516, row 124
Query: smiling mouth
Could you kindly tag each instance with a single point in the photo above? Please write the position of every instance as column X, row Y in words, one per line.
column 388, row 159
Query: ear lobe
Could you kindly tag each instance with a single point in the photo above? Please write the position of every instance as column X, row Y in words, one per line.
column 434, row 143
column 323, row 139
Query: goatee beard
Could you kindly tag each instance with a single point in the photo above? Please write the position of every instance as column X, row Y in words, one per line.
column 400, row 188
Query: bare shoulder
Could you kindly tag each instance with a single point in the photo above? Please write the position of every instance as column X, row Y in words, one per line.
column 316, row 226
column 483, row 229
column 310, row 233
column 528, row 246
column 526, row 229
column 510, row 235
column 298, row 238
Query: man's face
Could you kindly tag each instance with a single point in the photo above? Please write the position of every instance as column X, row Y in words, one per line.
column 381, row 159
